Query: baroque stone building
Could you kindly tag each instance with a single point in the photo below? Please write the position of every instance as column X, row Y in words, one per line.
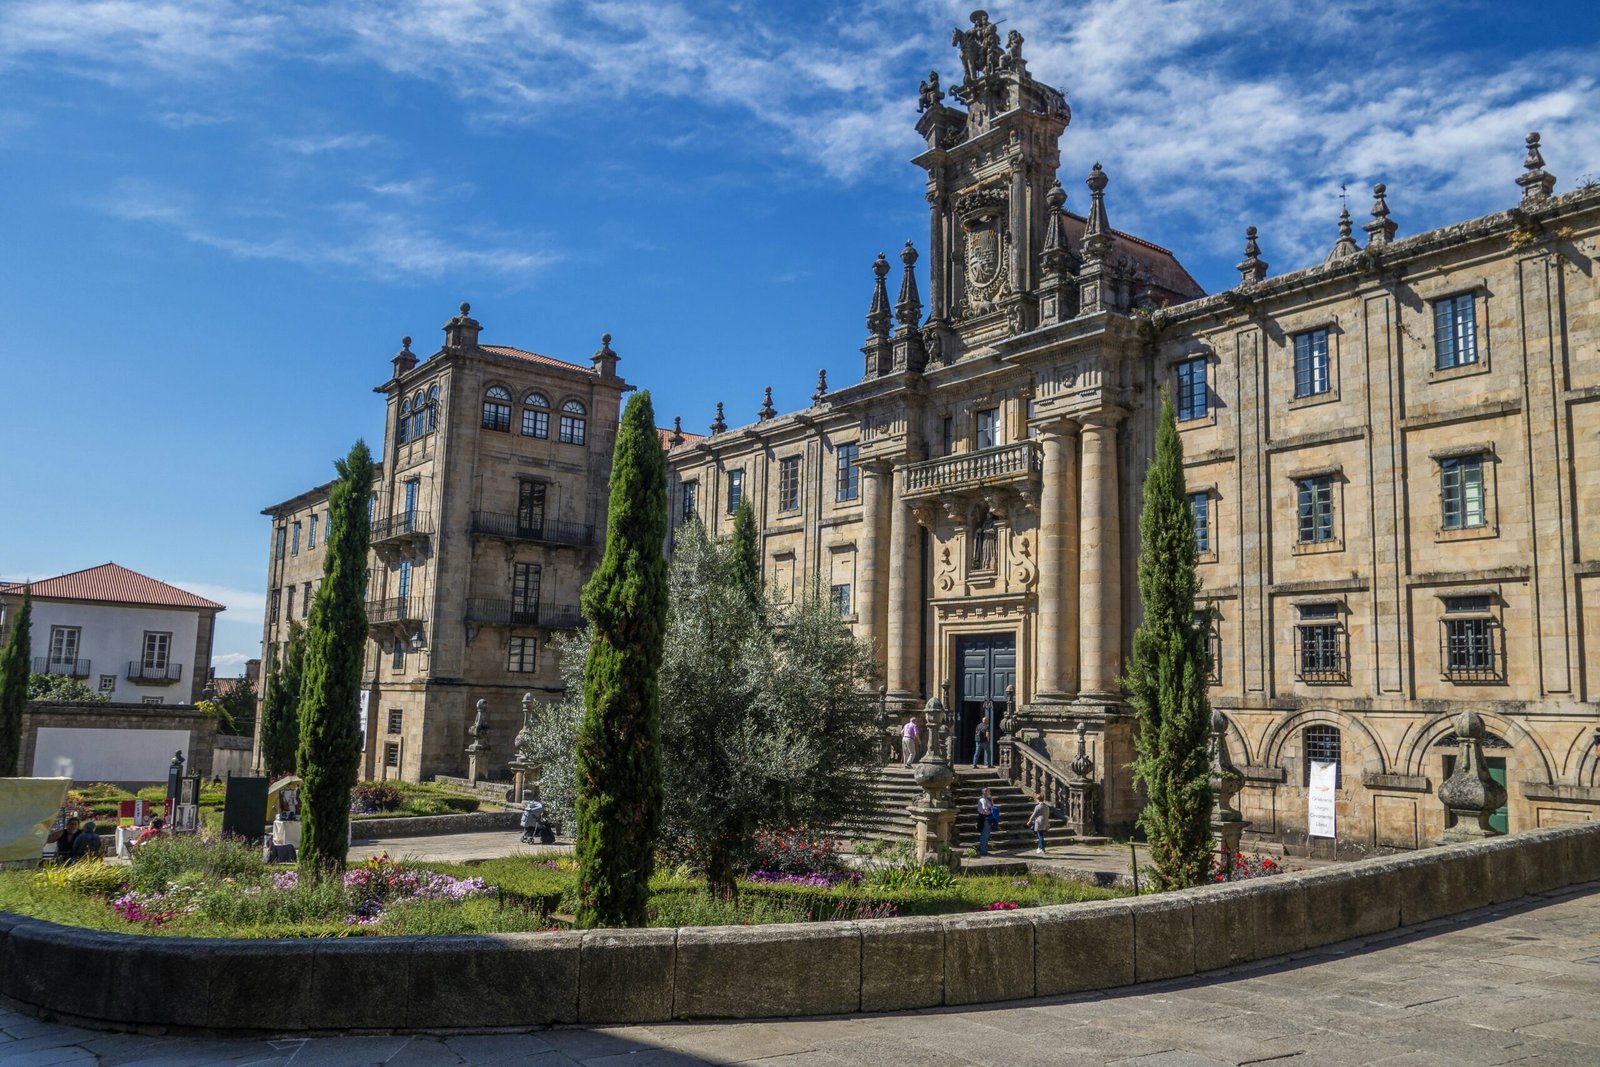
column 1393, row 460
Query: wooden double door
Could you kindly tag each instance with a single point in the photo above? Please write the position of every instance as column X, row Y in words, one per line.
column 986, row 665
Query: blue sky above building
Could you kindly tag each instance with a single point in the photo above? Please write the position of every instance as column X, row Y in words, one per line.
column 221, row 216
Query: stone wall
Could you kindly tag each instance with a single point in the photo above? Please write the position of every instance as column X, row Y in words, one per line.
column 202, row 731
column 130, row 981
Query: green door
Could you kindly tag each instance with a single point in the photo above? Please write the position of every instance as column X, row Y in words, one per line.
column 1498, row 822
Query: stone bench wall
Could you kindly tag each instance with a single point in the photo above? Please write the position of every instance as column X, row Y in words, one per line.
column 467, row 822
column 617, row 976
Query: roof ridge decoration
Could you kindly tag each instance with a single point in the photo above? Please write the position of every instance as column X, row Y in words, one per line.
column 1537, row 183
column 1345, row 246
column 1252, row 268
column 1381, row 230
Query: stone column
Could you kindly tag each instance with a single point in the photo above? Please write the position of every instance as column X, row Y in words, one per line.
column 1058, row 563
column 871, row 586
column 903, row 631
column 936, row 266
column 1100, row 574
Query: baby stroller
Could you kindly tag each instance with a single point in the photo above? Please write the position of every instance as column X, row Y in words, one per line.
column 535, row 831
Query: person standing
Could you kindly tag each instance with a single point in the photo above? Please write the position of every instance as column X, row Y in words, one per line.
column 909, row 734
column 985, row 821
column 982, row 746
column 1039, row 821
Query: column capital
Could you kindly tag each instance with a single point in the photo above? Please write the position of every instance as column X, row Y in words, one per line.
column 876, row 466
column 1065, row 426
column 1104, row 418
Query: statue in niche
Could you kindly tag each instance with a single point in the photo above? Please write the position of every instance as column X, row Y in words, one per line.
column 985, row 535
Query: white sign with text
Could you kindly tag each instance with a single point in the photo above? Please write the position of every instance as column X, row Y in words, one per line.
column 1320, row 798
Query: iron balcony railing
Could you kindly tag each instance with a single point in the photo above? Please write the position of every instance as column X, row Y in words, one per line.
column 404, row 525
column 509, row 527
column 149, row 674
column 394, row 610
column 512, row 613
column 72, row 668
column 1007, row 463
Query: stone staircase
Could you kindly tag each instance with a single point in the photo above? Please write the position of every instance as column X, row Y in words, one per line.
column 893, row 789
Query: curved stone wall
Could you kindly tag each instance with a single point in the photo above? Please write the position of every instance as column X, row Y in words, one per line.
column 619, row 976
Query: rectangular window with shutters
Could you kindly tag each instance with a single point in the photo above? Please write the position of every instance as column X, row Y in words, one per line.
column 1311, row 367
column 1194, row 397
column 1461, row 486
column 524, row 655
column 530, row 509
column 847, row 480
column 1316, row 509
column 1455, row 332
column 735, row 490
column 525, row 581
column 789, row 484
column 396, row 720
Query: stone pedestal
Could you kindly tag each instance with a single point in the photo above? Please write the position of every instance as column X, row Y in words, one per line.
column 931, row 831
column 1227, row 825
column 1470, row 794
column 933, row 815
column 1081, row 789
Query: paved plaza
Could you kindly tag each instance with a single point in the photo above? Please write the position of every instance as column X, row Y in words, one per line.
column 1514, row 984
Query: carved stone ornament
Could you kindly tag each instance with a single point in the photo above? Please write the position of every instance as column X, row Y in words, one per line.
column 983, row 246
column 946, row 568
column 1022, row 565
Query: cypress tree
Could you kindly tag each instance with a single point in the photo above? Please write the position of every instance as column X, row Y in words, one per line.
column 14, row 685
column 280, row 707
column 744, row 559
column 330, row 687
column 1167, row 675
column 618, row 803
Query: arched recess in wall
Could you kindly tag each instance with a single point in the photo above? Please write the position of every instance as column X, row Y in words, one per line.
column 1353, row 734
column 1522, row 742
column 1238, row 744
column 1583, row 756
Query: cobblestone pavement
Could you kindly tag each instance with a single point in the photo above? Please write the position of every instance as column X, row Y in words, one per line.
column 1514, row 984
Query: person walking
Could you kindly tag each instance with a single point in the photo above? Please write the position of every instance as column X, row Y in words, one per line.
column 982, row 744
column 1039, row 821
column 909, row 735
column 985, row 821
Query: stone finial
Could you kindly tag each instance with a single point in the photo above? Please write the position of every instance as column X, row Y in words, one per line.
column 1252, row 268
column 1537, row 183
column 1097, row 230
column 1081, row 764
column 1054, row 200
column 1345, row 246
column 677, row 431
column 718, row 425
column 822, row 386
column 404, row 359
column 1470, row 794
column 878, row 313
column 1380, row 231
column 605, row 360
column 462, row 331
column 767, row 410
column 908, row 309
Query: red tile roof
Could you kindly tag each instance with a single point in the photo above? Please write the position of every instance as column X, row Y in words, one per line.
column 534, row 357
column 666, row 437
column 115, row 584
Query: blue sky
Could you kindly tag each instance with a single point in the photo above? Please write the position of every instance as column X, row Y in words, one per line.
column 218, row 217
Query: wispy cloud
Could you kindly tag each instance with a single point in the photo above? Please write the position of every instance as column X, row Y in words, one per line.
column 244, row 605
column 112, row 39
column 333, row 142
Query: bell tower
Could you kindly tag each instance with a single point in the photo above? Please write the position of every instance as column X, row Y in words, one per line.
column 990, row 171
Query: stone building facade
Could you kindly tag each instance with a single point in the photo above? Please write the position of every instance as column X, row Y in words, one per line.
column 487, row 515
column 1393, row 457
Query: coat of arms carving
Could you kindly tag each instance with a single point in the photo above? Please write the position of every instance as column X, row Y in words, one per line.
column 983, row 244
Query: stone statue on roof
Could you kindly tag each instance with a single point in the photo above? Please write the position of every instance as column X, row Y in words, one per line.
column 928, row 93
column 979, row 46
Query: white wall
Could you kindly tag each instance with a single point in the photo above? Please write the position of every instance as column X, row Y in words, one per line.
column 88, row 755
column 112, row 635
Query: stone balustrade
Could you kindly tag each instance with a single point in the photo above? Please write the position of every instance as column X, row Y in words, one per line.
column 1003, row 465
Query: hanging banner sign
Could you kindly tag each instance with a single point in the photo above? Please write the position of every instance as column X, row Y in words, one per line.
column 1320, row 799
column 365, row 697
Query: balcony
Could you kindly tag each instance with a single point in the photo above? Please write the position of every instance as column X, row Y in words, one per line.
column 510, row 613
column 72, row 668
column 506, row 527
column 1008, row 466
column 395, row 611
column 142, row 673
column 401, row 536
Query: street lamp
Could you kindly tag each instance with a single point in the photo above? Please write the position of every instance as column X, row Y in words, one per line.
column 417, row 641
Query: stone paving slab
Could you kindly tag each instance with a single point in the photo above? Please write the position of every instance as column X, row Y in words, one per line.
column 1503, row 985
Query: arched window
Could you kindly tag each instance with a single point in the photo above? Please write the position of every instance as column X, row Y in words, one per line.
column 535, row 415
column 1322, row 744
column 419, row 414
column 433, row 409
column 573, row 422
column 402, row 429
column 497, row 409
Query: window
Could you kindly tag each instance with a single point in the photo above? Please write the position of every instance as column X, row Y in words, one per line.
column 279, row 537
column 525, row 581
column 1194, row 400
column 1469, row 652
column 397, row 718
column 1322, row 745
column 402, row 427
column 497, row 409
column 305, row 600
column 1206, row 622
column 847, row 480
column 1455, row 332
column 572, row 430
column 523, row 656
column 391, row 754
column 153, row 700
column 1200, row 508
column 1461, row 485
column 290, row 591
column 691, row 501
column 419, row 414
column 535, row 415
column 530, row 509
column 294, row 540
column 840, row 596
column 64, row 642
column 789, row 484
column 311, row 533
column 277, row 603
column 402, row 587
column 413, row 490
column 947, row 435
column 397, row 655
column 433, row 409
column 108, row 683
column 1319, row 640
column 988, row 428
column 735, row 490
column 1316, row 509
column 1311, row 376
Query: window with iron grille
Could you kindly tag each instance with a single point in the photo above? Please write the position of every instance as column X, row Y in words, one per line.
column 1461, row 485
column 1316, row 508
column 1322, row 744
column 524, row 654
column 789, row 484
column 525, row 580
column 1311, row 377
column 691, row 501
column 1469, row 650
column 277, row 605
column 574, row 425
column 847, row 480
column 497, row 409
column 305, row 600
column 391, row 755
column 735, row 490
column 153, row 700
column 840, row 596
column 1194, row 398
column 1320, row 655
column 289, row 614
column 396, row 720
column 1200, row 508
column 1455, row 332
column 1206, row 621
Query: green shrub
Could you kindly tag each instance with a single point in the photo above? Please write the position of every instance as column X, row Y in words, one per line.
column 92, row 877
column 912, row 876
column 261, row 903
column 698, row 908
column 168, row 859
column 475, row 915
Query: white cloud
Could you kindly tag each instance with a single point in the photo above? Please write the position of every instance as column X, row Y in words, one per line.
column 334, row 142
column 242, row 604
column 231, row 664
column 109, row 39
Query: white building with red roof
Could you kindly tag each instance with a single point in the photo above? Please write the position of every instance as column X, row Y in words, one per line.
column 131, row 638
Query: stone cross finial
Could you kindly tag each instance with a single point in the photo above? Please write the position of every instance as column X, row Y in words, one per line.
column 718, row 424
column 677, row 431
column 1345, row 246
column 767, row 410
column 1097, row 230
column 878, row 313
column 462, row 331
column 1380, row 231
column 1470, row 794
column 822, row 386
column 1252, row 268
column 908, row 309
column 1537, row 183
